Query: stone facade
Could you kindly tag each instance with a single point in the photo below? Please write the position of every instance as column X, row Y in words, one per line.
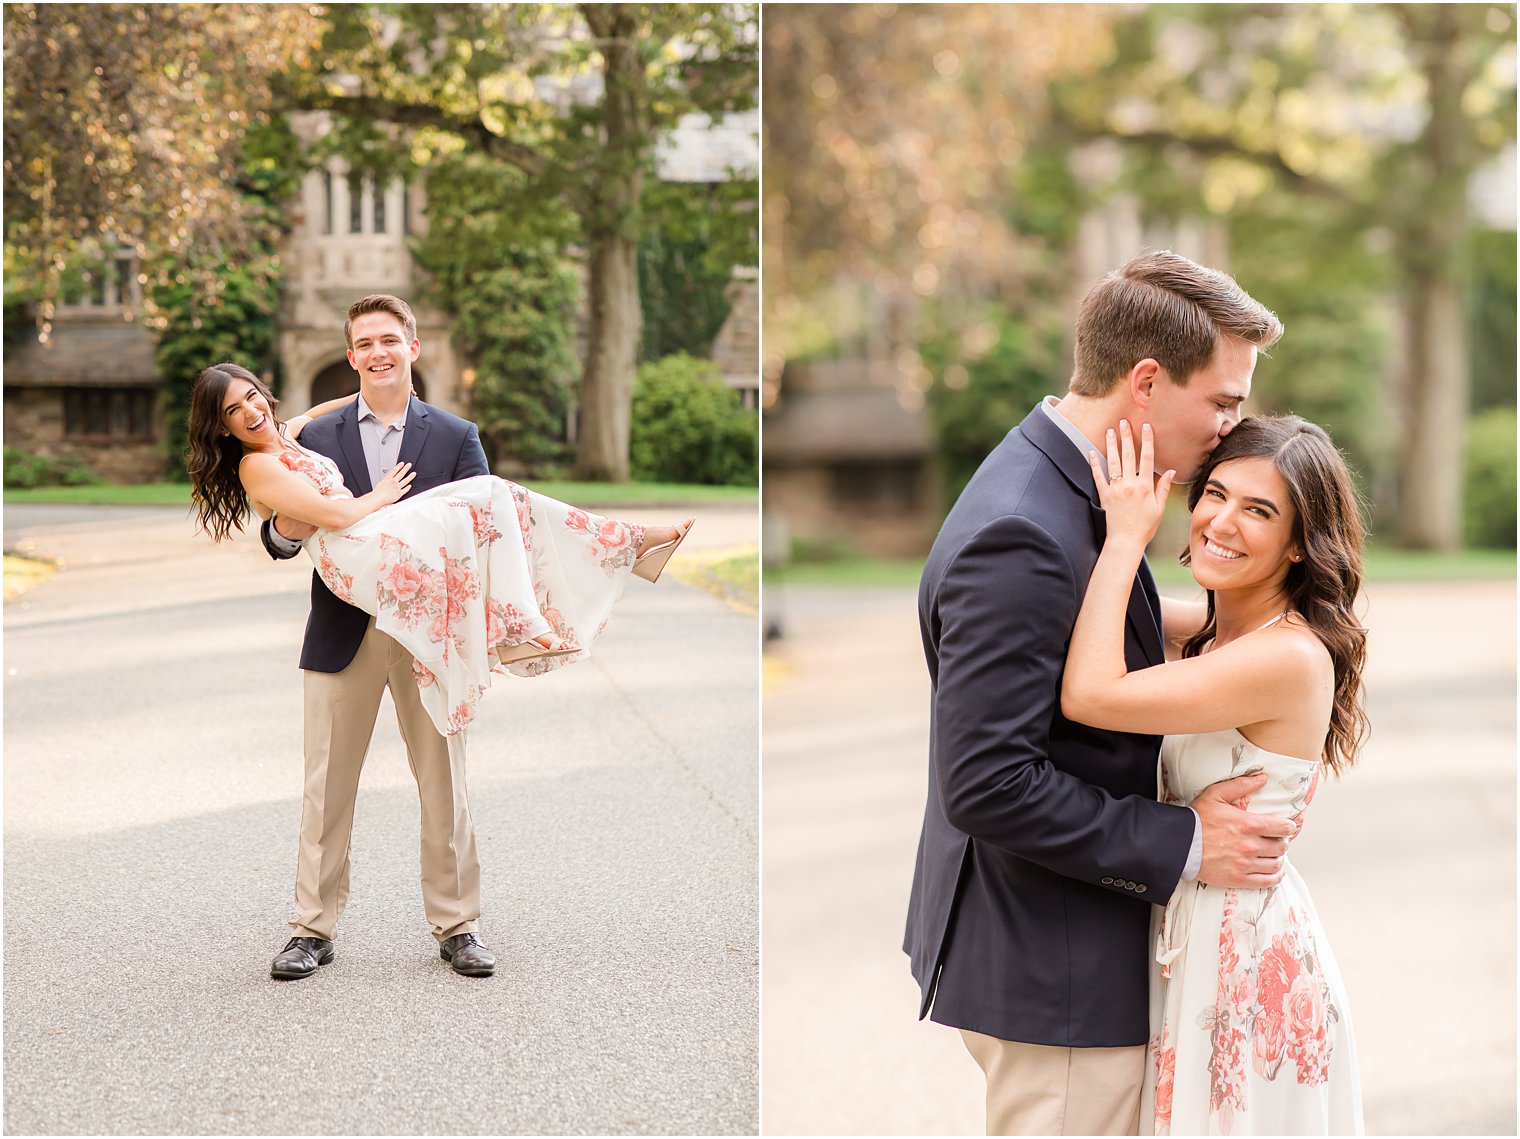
column 349, row 239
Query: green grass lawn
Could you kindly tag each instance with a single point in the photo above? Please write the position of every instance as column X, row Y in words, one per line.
column 1381, row 566
column 581, row 493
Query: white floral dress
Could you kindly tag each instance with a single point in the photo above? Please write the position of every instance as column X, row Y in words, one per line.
column 467, row 574
column 1250, row 1029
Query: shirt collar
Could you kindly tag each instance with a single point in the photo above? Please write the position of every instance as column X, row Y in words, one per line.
column 1081, row 442
column 363, row 411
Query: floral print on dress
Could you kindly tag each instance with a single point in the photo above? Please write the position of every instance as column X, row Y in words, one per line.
column 1164, row 1057
column 341, row 584
column 441, row 575
column 1250, row 1032
column 616, row 544
column 1276, row 999
column 320, row 473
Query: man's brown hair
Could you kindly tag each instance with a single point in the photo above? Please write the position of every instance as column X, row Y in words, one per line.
column 380, row 302
column 1169, row 309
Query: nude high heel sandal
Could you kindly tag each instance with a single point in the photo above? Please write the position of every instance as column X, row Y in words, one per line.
column 649, row 564
column 530, row 650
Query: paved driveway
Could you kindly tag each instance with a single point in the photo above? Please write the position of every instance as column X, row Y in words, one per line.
column 152, row 795
column 1411, row 859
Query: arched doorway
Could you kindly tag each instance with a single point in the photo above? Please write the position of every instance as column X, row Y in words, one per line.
column 339, row 379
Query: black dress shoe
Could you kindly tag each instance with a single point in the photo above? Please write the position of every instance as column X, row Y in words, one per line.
column 300, row 958
column 467, row 955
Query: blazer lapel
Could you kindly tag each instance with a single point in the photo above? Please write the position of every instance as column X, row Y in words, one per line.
column 350, row 457
column 1152, row 595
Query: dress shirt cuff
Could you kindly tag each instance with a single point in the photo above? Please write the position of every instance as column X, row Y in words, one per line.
column 291, row 546
column 1195, row 854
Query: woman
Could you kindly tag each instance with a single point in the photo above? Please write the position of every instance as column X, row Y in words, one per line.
column 1250, row 1028
column 471, row 577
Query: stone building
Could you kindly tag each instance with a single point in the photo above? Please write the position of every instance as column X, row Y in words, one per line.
column 92, row 398
column 847, row 464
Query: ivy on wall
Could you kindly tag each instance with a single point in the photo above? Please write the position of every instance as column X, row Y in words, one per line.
column 496, row 259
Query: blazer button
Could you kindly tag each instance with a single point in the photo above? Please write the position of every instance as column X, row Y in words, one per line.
column 1140, row 889
column 1108, row 881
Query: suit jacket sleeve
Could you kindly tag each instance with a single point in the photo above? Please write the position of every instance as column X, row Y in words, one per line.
column 472, row 458
column 1006, row 607
column 273, row 550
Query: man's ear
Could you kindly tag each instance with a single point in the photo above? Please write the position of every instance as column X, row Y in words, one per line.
column 351, row 363
column 1142, row 382
column 415, row 348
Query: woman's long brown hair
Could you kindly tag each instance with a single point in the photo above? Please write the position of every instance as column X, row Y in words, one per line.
column 1327, row 527
column 221, row 503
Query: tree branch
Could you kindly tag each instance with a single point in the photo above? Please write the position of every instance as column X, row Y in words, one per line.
column 1215, row 146
column 472, row 130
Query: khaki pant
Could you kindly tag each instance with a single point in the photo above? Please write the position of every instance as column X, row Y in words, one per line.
column 1033, row 1089
column 340, row 719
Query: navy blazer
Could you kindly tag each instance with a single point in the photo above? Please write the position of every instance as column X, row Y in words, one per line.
column 442, row 448
column 1043, row 845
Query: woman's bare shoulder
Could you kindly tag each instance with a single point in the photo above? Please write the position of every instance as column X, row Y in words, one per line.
column 1295, row 639
column 256, row 463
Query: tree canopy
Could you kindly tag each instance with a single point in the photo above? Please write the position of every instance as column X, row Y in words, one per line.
column 125, row 122
column 576, row 98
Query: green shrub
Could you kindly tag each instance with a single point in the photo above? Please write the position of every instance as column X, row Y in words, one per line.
column 1488, row 501
column 688, row 426
column 23, row 470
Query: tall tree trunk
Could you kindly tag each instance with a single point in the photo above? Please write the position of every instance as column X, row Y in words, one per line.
column 1435, row 263
column 1430, row 468
column 612, row 350
column 616, row 317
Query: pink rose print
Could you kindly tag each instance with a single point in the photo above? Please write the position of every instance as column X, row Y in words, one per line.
column 1276, row 974
column 1268, row 1045
column 423, row 676
column 1306, row 1008
column 576, row 520
column 405, row 581
column 612, row 533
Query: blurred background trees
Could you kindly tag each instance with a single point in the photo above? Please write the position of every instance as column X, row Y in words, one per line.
column 942, row 184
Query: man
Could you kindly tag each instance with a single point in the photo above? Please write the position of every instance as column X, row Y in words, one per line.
column 1043, row 846
column 348, row 662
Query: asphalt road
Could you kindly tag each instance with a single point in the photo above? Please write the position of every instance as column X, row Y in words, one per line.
column 1411, row 860
column 152, row 796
